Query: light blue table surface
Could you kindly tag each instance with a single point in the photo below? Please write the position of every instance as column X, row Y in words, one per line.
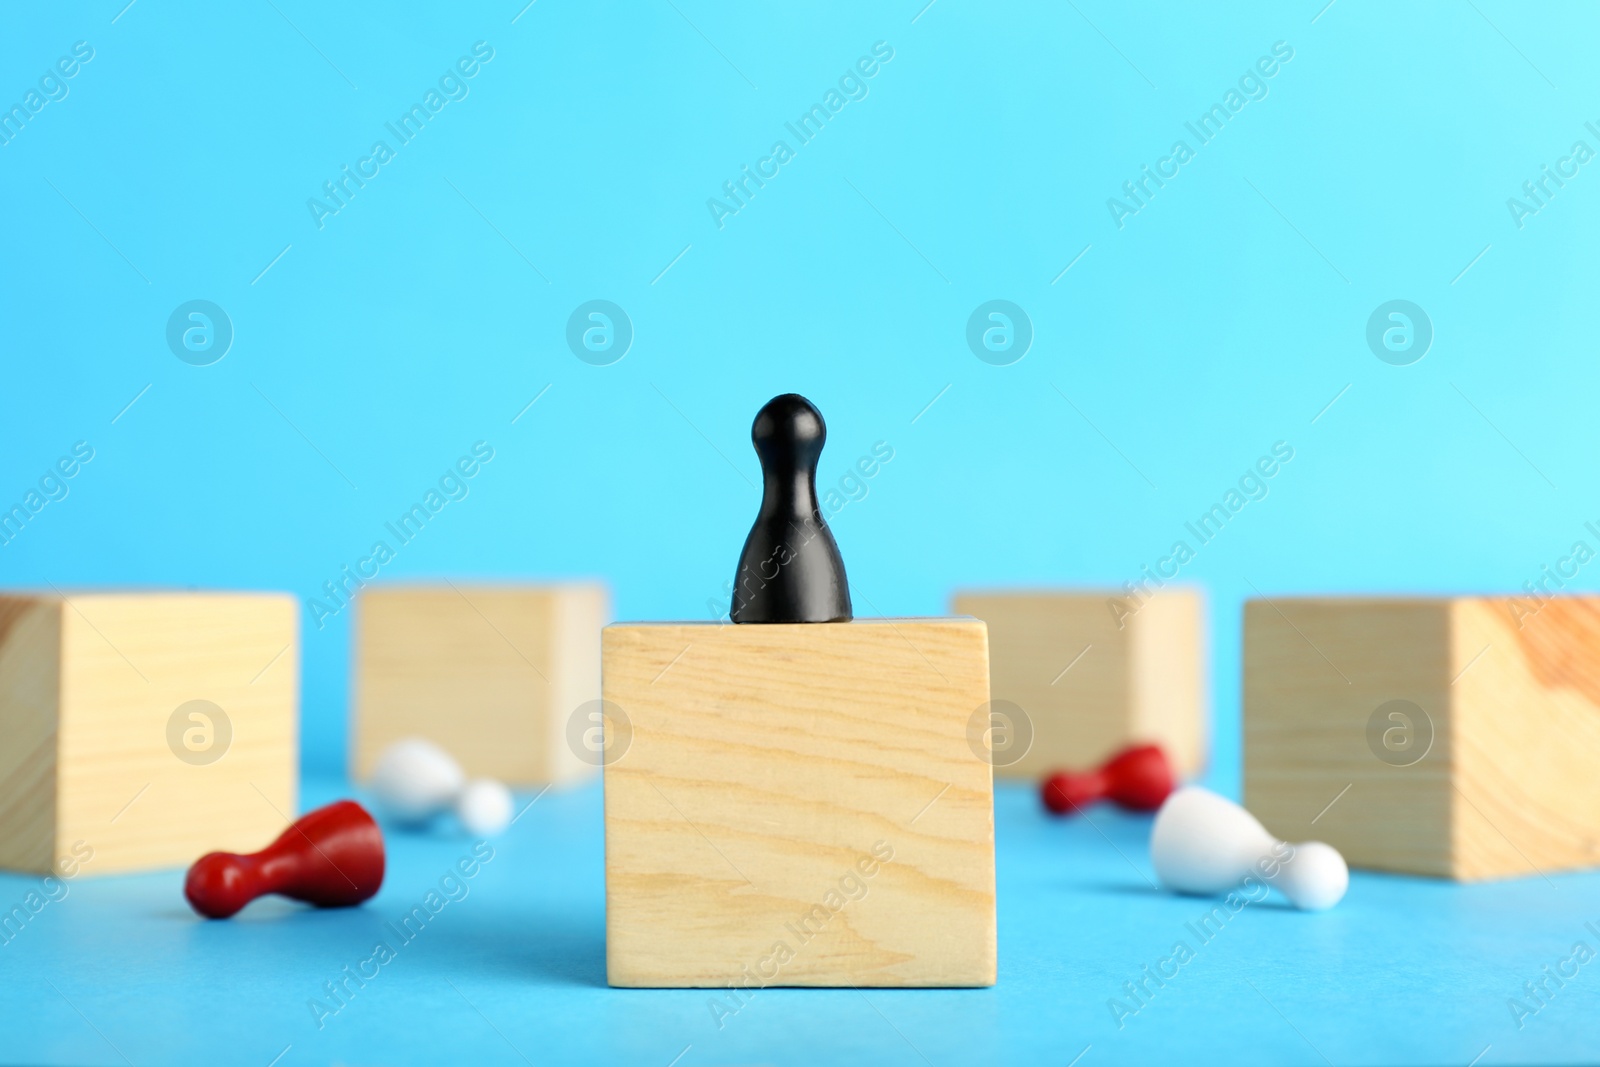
column 1405, row 970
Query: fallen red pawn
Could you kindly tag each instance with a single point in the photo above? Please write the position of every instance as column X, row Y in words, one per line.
column 1137, row 778
column 331, row 857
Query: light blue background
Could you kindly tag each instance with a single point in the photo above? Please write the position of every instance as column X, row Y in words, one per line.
column 427, row 314
column 1192, row 339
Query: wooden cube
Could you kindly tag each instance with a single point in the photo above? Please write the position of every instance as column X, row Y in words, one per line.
column 799, row 805
column 1096, row 671
column 143, row 730
column 1453, row 737
column 490, row 673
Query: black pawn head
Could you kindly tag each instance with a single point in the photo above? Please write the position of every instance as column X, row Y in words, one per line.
column 790, row 570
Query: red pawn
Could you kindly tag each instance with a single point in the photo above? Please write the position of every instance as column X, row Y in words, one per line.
column 331, row 857
column 1138, row 778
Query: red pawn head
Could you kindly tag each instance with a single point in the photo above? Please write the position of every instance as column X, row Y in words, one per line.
column 1065, row 793
column 218, row 885
column 1137, row 778
column 331, row 857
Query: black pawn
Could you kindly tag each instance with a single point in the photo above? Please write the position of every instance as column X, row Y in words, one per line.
column 790, row 570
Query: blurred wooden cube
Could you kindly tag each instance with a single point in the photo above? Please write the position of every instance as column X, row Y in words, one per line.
column 799, row 805
column 490, row 673
column 1096, row 671
column 1455, row 737
column 143, row 730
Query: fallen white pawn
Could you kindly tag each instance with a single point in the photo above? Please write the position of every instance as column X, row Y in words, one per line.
column 1206, row 844
column 415, row 780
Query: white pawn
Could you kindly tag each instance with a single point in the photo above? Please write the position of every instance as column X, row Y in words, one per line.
column 414, row 780
column 1206, row 844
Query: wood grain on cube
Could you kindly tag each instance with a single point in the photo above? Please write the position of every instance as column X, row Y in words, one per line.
column 1511, row 700
column 1527, row 729
column 30, row 697
column 491, row 673
column 1096, row 671
column 89, row 685
column 770, row 768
